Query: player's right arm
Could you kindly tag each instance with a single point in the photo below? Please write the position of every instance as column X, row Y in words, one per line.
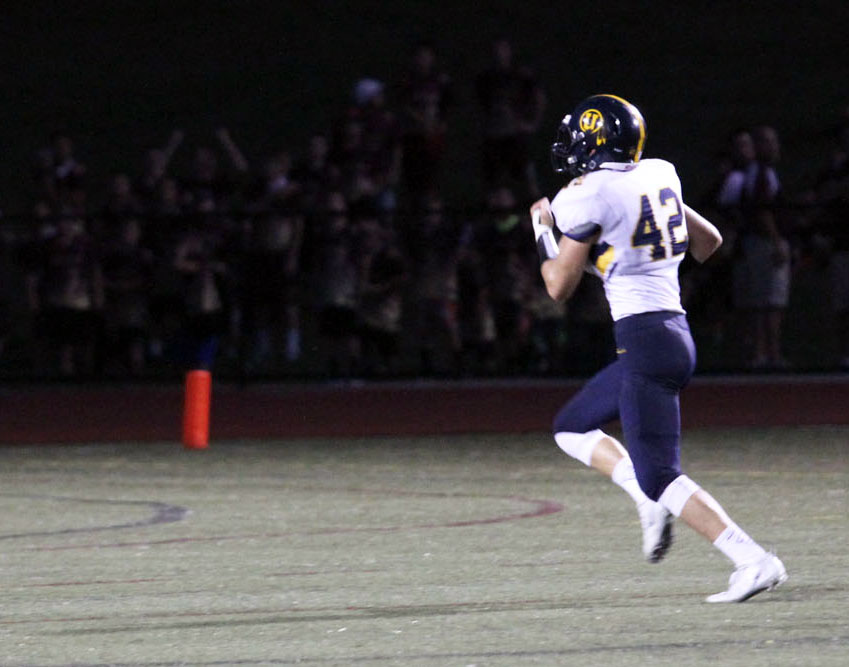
column 704, row 237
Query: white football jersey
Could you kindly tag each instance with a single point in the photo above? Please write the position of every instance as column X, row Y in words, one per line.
column 638, row 212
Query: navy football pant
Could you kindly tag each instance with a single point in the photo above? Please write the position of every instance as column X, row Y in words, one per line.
column 656, row 359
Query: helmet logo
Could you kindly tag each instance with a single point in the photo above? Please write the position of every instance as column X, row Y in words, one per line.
column 591, row 121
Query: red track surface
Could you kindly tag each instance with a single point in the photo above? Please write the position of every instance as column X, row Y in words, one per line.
column 138, row 412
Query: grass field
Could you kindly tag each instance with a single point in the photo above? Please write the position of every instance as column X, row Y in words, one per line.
column 475, row 550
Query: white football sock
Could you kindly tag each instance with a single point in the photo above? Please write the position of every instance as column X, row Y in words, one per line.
column 738, row 546
column 624, row 476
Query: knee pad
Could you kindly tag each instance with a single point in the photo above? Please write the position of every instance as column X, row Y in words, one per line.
column 676, row 495
column 579, row 445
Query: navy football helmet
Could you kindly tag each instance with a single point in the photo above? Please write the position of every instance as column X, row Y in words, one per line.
column 602, row 128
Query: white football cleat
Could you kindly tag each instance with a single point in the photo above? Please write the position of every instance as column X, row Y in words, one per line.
column 749, row 580
column 657, row 530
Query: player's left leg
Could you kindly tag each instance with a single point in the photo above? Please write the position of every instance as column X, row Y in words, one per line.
column 657, row 356
column 577, row 432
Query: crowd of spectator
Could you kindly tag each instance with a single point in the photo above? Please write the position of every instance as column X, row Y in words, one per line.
column 345, row 260
column 771, row 235
column 342, row 261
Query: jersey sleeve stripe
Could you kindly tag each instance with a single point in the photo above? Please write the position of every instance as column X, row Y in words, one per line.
column 583, row 231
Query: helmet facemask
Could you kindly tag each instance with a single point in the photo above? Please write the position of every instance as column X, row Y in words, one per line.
column 568, row 150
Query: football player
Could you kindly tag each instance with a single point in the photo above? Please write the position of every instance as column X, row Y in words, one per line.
column 624, row 219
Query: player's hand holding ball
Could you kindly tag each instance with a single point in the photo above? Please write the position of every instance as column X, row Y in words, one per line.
column 541, row 213
column 543, row 224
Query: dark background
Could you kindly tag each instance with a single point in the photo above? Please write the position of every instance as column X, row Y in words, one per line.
column 119, row 75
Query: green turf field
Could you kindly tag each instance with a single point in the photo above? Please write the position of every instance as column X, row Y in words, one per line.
column 462, row 551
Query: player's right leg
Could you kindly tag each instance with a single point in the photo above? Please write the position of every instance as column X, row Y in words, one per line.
column 576, row 432
column 649, row 409
column 756, row 570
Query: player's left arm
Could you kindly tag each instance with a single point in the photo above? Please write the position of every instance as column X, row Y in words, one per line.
column 561, row 264
column 563, row 273
column 703, row 234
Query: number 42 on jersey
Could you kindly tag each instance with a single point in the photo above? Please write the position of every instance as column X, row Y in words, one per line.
column 665, row 237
